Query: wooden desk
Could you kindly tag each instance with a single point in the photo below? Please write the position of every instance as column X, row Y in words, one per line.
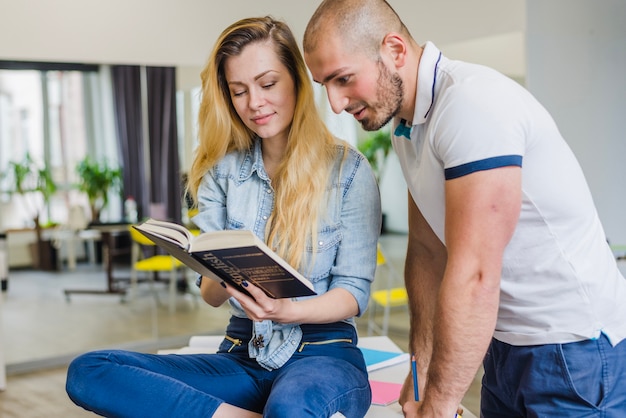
column 109, row 233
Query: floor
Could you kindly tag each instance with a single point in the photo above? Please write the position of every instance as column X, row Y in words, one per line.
column 42, row 331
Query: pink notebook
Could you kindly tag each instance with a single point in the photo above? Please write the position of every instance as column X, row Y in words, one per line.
column 385, row 393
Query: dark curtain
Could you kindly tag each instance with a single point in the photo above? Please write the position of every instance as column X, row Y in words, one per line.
column 127, row 98
column 164, row 186
column 164, row 168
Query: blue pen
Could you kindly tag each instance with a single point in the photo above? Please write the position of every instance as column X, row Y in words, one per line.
column 416, row 390
column 416, row 387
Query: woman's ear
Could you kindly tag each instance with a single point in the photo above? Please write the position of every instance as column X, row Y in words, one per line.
column 395, row 47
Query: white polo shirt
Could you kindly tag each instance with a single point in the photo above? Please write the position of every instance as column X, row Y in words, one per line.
column 560, row 282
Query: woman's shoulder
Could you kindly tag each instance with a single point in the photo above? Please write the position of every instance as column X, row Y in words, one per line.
column 350, row 163
column 347, row 156
column 347, row 153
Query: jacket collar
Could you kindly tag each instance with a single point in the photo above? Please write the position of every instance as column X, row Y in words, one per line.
column 253, row 162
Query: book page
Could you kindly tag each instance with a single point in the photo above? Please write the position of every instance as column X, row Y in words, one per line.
column 229, row 238
column 165, row 231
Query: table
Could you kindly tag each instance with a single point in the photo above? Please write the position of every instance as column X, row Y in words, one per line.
column 109, row 233
column 395, row 374
column 69, row 238
column 4, row 274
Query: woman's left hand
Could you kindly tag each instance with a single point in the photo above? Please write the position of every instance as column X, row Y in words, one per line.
column 260, row 307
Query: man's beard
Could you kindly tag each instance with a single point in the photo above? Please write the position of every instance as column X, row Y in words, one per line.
column 390, row 94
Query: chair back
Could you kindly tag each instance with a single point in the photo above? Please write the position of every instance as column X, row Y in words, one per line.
column 380, row 257
column 139, row 238
column 77, row 218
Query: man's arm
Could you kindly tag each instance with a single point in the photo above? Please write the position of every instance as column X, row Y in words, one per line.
column 423, row 272
column 482, row 210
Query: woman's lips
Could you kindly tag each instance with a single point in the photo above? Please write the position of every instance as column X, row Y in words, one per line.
column 263, row 119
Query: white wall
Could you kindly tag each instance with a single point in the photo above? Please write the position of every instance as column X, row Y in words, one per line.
column 576, row 61
column 181, row 33
column 575, row 54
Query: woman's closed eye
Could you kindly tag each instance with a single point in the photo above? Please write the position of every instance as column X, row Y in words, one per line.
column 267, row 86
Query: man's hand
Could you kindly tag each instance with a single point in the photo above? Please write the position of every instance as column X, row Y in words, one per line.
column 407, row 398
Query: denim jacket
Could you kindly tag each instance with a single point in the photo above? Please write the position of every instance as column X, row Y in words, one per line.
column 237, row 194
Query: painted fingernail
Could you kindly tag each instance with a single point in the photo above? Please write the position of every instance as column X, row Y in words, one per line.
column 244, row 283
column 223, row 284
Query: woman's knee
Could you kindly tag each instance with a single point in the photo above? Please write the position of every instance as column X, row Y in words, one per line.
column 320, row 388
column 82, row 371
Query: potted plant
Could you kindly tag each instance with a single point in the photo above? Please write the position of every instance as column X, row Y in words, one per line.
column 27, row 179
column 375, row 147
column 97, row 179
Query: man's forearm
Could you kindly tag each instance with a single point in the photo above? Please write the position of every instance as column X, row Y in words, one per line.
column 465, row 321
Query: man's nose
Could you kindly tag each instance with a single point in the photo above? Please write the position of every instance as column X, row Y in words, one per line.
column 338, row 101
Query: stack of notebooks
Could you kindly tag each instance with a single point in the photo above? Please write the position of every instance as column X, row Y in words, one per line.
column 384, row 393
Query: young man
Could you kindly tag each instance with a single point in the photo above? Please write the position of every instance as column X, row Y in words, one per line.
column 507, row 262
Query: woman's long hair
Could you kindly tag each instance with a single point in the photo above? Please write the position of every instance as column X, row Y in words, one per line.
column 301, row 179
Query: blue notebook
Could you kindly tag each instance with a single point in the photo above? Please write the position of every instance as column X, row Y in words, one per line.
column 377, row 359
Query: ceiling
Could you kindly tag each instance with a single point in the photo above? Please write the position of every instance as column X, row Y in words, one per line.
column 163, row 32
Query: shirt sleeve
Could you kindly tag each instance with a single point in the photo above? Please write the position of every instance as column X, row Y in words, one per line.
column 479, row 128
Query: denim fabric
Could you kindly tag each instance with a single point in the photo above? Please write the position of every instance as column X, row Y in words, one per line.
column 582, row 379
column 139, row 385
column 237, row 194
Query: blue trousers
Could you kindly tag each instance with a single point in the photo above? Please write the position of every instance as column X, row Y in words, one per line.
column 316, row 382
column 583, row 379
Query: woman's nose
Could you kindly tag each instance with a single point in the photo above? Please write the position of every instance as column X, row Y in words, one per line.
column 256, row 99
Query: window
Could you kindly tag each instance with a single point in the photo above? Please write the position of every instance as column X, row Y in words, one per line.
column 56, row 115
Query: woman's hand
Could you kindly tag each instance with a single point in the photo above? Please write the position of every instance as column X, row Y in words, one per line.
column 260, row 307
column 335, row 305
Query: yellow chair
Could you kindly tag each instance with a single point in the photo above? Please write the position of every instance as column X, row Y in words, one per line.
column 391, row 295
column 153, row 264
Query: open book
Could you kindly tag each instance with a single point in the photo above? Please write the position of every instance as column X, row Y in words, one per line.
column 230, row 255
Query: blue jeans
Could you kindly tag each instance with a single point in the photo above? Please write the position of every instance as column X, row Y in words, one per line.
column 316, row 382
column 583, row 379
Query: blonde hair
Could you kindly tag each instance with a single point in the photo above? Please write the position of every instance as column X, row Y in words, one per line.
column 301, row 179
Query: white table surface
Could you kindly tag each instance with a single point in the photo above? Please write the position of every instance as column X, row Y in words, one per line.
column 394, row 374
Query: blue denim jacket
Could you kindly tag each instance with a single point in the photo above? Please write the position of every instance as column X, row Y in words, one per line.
column 237, row 194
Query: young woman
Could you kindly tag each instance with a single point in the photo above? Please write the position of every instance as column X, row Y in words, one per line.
column 266, row 163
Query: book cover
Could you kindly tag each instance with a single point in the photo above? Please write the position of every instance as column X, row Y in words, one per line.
column 378, row 359
column 254, row 265
column 232, row 256
column 385, row 393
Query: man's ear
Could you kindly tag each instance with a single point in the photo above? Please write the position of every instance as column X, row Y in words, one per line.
column 395, row 48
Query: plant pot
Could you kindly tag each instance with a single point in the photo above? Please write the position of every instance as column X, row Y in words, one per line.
column 44, row 256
